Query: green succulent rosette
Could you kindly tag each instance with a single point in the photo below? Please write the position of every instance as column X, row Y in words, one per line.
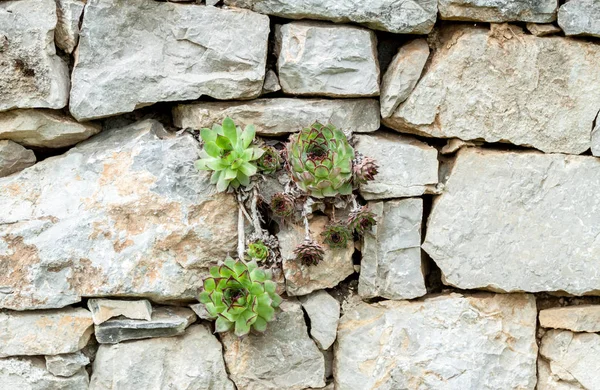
column 258, row 251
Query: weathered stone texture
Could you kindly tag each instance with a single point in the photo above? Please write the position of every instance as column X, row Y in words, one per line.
column 30, row 374
column 596, row 137
column 69, row 14
column 539, row 11
column 324, row 313
column 327, row 60
column 505, row 86
column 580, row 17
column 583, row 318
column 448, row 342
column 104, row 309
column 518, row 221
column 273, row 117
column 135, row 53
column 66, row 365
column 124, row 214
column 541, row 30
column 14, row 158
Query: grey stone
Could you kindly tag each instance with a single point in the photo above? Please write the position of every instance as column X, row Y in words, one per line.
column 31, row 74
column 569, row 361
column 281, row 358
column 580, row 17
column 14, row 158
column 66, row 365
column 397, row 16
column 123, row 214
column 69, row 14
column 454, row 144
column 452, row 341
column 582, row 318
column 391, row 254
column 542, row 30
column 44, row 129
column 271, row 83
column 30, row 374
column 596, row 137
column 324, row 313
column 165, row 322
column 201, row 311
column 328, row 60
column 407, row 167
column 165, row 52
column 274, row 117
column 539, row 11
column 402, row 75
column 540, row 94
column 518, row 221
column 212, row 2
column 49, row 332
column 191, row 361
column 104, row 309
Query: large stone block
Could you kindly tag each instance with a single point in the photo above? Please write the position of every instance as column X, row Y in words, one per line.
column 539, row 11
column 580, row 17
column 324, row 313
column 135, row 53
column 29, row 373
column 581, row 318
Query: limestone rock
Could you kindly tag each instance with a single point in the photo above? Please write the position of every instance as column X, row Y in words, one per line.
column 24, row 373
column 580, row 17
column 274, row 117
column 452, row 341
column 201, row 311
column 328, row 60
column 281, row 358
column 165, row 322
column 324, row 313
column 271, row 83
column 14, row 158
column 69, row 14
column 302, row 279
column 569, row 361
column 537, row 92
column 583, row 318
column 123, row 214
column 402, row 75
column 43, row 129
column 66, row 365
column 191, row 361
column 541, row 30
column 397, row 16
column 539, row 11
column 165, row 52
column 31, row 74
column 596, row 138
column 391, row 253
column 104, row 309
column 518, row 221
column 407, row 167
column 49, row 332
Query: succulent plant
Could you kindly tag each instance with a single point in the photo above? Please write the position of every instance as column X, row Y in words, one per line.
column 364, row 169
column 270, row 161
column 361, row 220
column 240, row 296
column 258, row 251
column 336, row 235
column 309, row 252
column 282, row 204
column 228, row 151
column 320, row 161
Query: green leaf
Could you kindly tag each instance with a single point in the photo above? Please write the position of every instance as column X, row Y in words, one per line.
column 243, row 178
column 208, row 135
column 210, row 308
column 217, row 128
column 248, row 169
column 223, row 142
column 223, row 325
column 203, row 297
column 321, row 172
column 256, row 288
column 241, row 327
column 201, row 165
column 266, row 312
column 260, row 324
column 214, row 179
column 270, row 286
column 257, row 153
column 248, row 136
column 212, row 149
column 209, row 284
column 230, row 174
column 216, row 164
column 276, row 300
column 222, row 184
column 258, row 275
column 229, row 130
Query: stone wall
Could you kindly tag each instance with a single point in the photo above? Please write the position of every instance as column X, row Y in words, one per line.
column 483, row 271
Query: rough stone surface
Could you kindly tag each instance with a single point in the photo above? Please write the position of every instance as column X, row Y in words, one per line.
column 540, row 92
column 31, row 74
column 397, row 16
column 104, row 309
column 49, row 332
column 407, row 167
column 541, row 30
column 324, row 313
column 281, row 358
column 30, row 374
column 302, row 279
column 69, row 14
column 124, row 214
column 273, row 117
column 569, row 361
column 596, row 137
column 518, row 221
column 14, row 158
column 391, row 253
column 402, row 75
column 135, row 53
column 44, row 129
column 66, row 365
column 449, row 342
column 583, row 318
column 201, row 311
column 271, row 83
column 580, row 17
column 191, row 361
column 328, row 60
column 539, row 11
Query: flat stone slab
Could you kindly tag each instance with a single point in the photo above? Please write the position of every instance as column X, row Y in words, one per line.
column 280, row 116
column 518, row 221
column 104, row 309
column 540, row 94
column 542, row 30
column 580, row 17
column 583, row 318
column 21, row 373
column 66, row 365
column 324, row 313
column 160, row 51
column 539, row 11
column 451, row 341
column 14, row 158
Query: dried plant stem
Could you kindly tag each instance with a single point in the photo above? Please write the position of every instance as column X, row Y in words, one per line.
column 241, row 238
column 354, row 203
column 254, row 210
column 306, row 229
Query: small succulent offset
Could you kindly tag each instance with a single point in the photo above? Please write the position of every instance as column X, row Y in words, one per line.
column 361, row 220
column 309, row 252
column 270, row 161
column 336, row 235
column 228, row 151
column 282, row 204
column 240, row 296
column 258, row 251
column 364, row 169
